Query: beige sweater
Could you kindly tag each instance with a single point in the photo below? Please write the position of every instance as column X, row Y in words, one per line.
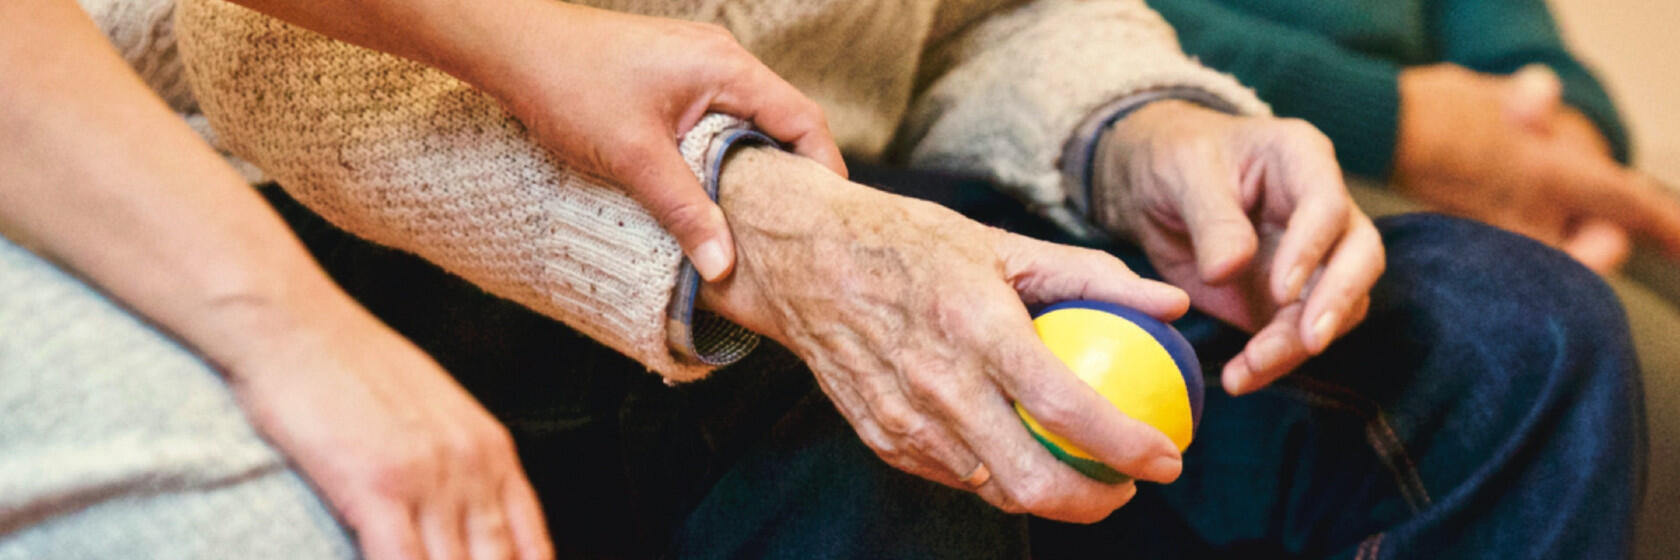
column 409, row 157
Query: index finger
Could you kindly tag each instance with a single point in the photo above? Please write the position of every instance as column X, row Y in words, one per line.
column 784, row 113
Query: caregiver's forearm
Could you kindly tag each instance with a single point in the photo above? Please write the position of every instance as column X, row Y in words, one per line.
column 98, row 175
column 485, row 43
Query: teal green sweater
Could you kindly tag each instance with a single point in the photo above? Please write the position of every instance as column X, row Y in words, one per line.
column 1336, row 63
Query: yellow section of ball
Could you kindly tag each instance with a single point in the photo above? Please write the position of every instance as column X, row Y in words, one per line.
column 1124, row 364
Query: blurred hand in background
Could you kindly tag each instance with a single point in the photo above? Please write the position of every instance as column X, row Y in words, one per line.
column 1506, row 150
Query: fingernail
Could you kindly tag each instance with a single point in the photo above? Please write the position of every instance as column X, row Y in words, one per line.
column 1165, row 469
column 1292, row 284
column 1324, row 329
column 709, row 260
column 1236, row 377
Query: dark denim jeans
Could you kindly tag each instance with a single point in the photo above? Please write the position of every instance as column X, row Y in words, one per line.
column 1488, row 407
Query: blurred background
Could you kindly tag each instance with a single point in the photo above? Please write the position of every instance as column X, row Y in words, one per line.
column 1631, row 43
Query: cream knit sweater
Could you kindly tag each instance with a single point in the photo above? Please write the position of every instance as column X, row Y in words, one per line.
column 411, row 158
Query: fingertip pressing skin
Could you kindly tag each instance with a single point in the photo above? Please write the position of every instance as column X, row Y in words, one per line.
column 670, row 192
column 714, row 258
column 824, row 151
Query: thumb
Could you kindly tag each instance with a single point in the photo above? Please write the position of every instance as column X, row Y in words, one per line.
column 1532, row 95
column 667, row 188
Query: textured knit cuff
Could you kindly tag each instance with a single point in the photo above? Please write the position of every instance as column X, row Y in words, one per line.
column 697, row 335
column 1079, row 155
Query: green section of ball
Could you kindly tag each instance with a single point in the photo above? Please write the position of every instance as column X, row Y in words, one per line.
column 1087, row 467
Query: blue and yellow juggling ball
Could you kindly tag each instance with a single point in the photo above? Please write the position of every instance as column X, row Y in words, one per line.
column 1143, row 366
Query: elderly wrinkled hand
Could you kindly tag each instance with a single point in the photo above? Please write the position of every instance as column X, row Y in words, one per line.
column 1506, row 151
column 1248, row 215
column 914, row 321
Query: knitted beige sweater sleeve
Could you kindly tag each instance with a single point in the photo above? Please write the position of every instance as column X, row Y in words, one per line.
column 1003, row 96
column 408, row 157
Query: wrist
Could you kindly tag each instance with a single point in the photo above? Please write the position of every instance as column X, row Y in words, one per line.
column 239, row 324
column 778, row 206
column 1112, row 177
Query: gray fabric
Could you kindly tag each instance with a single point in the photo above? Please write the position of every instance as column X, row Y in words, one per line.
column 1654, row 318
column 115, row 442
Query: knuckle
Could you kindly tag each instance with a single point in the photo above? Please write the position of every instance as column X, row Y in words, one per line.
column 461, row 447
column 1055, row 410
column 924, row 438
column 883, row 447
column 817, row 115
column 628, row 159
column 715, row 31
column 931, row 386
column 956, row 317
column 893, row 456
column 685, row 215
column 497, row 441
column 898, row 420
column 1105, row 262
column 397, row 475
column 1302, row 131
column 801, row 121
column 718, row 43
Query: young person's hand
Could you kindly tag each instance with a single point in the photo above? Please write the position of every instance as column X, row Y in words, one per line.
column 914, row 321
column 410, row 462
column 607, row 93
column 1248, row 215
column 1505, row 150
column 103, row 179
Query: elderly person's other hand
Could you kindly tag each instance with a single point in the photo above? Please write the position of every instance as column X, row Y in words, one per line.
column 1250, row 216
column 914, row 320
column 608, row 93
column 1506, row 151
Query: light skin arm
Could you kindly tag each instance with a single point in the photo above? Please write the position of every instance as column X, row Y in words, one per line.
column 606, row 92
column 98, row 175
